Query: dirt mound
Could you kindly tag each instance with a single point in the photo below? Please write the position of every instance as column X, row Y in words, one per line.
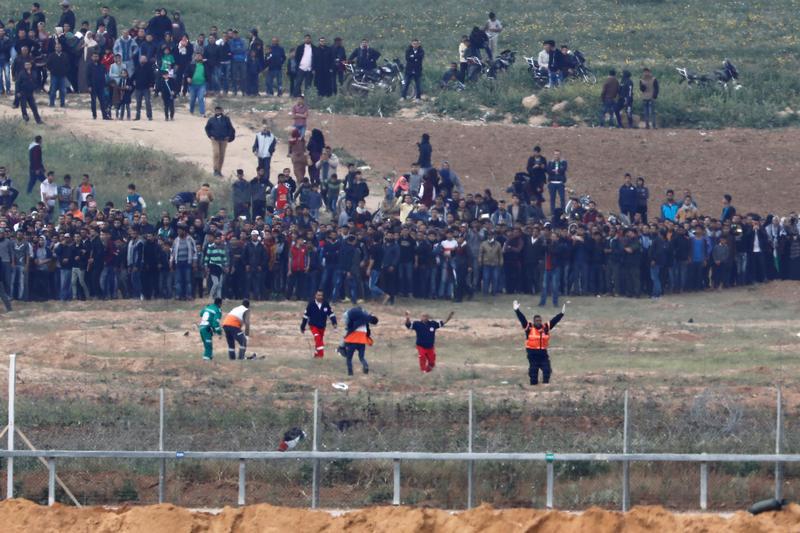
column 23, row 516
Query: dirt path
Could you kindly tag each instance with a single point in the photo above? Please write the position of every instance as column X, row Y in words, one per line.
column 183, row 138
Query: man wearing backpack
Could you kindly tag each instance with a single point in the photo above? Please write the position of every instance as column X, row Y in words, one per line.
column 221, row 132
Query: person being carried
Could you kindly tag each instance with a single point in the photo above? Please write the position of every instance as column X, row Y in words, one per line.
column 357, row 337
column 318, row 311
column 537, row 339
column 425, row 328
column 235, row 320
column 208, row 326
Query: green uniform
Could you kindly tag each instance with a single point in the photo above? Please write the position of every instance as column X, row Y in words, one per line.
column 209, row 324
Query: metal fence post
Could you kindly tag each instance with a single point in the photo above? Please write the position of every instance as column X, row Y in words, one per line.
column 703, row 486
column 626, row 473
column 315, row 462
column 396, row 493
column 51, row 481
column 242, row 474
column 470, row 464
column 778, row 440
column 550, row 483
column 162, row 467
column 12, row 375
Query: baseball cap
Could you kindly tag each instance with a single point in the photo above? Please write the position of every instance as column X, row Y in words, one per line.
column 254, row 232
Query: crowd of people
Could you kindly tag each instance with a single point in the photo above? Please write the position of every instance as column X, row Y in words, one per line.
column 429, row 239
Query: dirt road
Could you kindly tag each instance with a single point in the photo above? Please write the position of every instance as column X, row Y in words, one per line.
column 183, row 138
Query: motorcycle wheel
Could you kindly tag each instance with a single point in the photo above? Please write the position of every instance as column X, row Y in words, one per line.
column 411, row 92
column 352, row 90
column 473, row 73
column 588, row 77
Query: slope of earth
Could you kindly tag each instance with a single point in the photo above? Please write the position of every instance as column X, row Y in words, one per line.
column 759, row 168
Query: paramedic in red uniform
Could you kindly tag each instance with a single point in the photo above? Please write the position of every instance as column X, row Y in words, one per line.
column 426, row 337
column 537, row 338
column 316, row 317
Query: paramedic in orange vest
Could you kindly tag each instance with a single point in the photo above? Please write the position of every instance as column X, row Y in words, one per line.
column 537, row 338
column 237, row 319
column 357, row 337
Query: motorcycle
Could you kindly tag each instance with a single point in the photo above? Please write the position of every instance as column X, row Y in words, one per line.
column 581, row 71
column 539, row 76
column 388, row 77
column 728, row 74
column 490, row 67
column 577, row 205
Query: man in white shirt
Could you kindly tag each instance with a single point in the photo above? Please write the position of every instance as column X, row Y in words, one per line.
column 304, row 55
column 49, row 193
column 493, row 27
column 264, row 147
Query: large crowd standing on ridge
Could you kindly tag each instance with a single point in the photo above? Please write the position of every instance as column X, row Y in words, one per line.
column 429, row 238
column 122, row 66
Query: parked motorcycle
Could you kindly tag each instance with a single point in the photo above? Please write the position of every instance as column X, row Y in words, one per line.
column 721, row 78
column 388, row 77
column 501, row 63
column 582, row 72
column 539, row 75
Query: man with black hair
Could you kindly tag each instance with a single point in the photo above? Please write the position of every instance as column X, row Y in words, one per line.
column 237, row 328
column 537, row 340
column 318, row 311
column 608, row 97
column 358, row 336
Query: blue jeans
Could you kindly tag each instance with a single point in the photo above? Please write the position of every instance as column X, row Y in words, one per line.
column 183, row 280
column 338, row 274
column 197, row 93
column 741, row 268
column 274, row 77
column 108, row 282
column 550, row 283
column 374, row 276
column 224, row 76
column 406, row 272
column 649, row 112
column 655, row 277
column 491, row 275
column 136, row 284
column 237, row 76
column 553, row 189
column 677, row 278
column 446, row 285
column 58, row 83
column 18, row 283
column 554, row 77
column 65, row 284
column 5, row 77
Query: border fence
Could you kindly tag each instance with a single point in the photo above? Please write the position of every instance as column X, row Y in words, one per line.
column 52, row 457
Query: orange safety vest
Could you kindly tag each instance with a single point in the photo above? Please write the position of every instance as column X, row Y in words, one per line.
column 538, row 339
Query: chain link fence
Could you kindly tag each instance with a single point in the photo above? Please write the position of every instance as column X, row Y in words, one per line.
column 672, row 421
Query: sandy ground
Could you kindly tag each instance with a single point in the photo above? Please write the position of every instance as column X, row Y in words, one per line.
column 20, row 516
column 183, row 138
column 758, row 167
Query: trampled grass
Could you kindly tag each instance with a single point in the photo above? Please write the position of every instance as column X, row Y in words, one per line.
column 760, row 37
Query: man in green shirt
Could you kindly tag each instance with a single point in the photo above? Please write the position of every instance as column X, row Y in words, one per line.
column 216, row 262
column 196, row 79
column 209, row 324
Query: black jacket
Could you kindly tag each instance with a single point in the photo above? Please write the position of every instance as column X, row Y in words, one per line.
column 68, row 17
column 414, row 60
column 111, row 26
column 317, row 316
column 298, row 53
column 96, row 77
column 143, row 77
column 58, row 64
column 25, row 85
column 365, row 58
column 220, row 128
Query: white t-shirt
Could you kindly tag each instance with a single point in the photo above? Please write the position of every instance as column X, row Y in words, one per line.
column 305, row 61
column 756, row 245
column 493, row 28
column 49, row 192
